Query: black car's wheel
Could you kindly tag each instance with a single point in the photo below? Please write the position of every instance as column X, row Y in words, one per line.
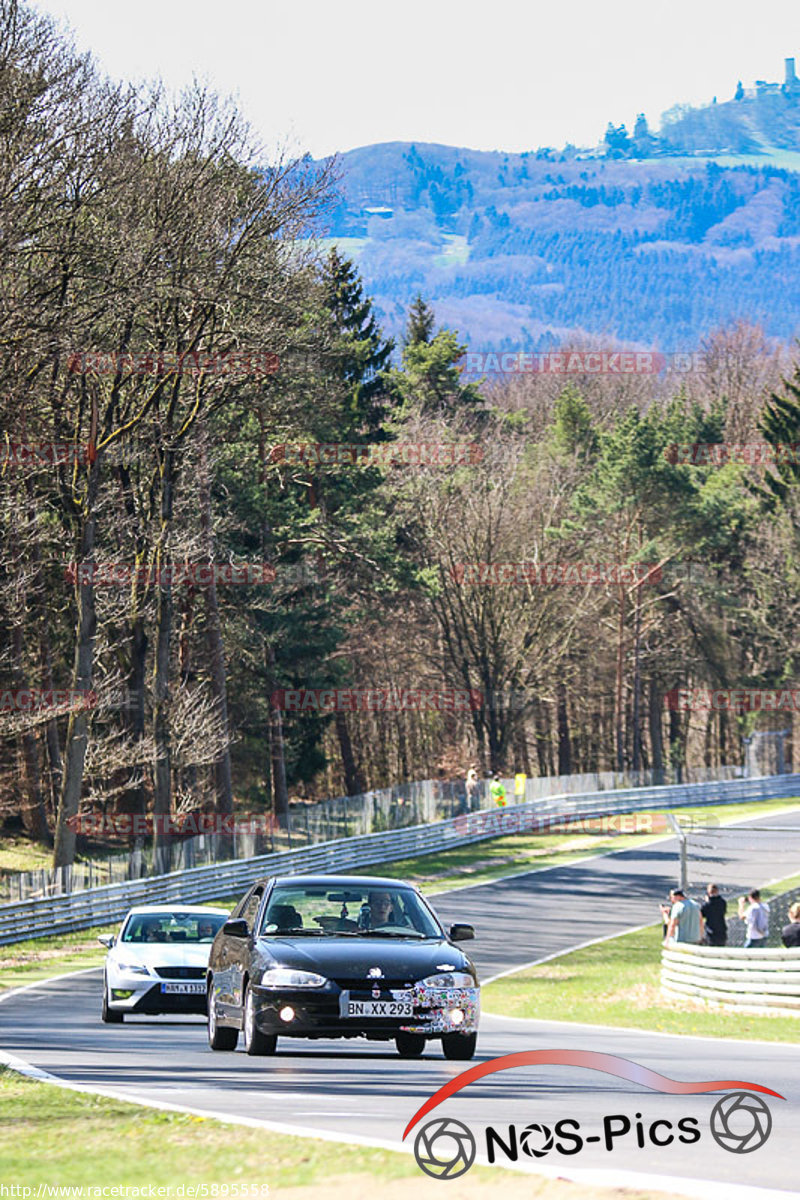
column 459, row 1046
column 219, row 1037
column 111, row 1016
column 409, row 1045
column 255, row 1042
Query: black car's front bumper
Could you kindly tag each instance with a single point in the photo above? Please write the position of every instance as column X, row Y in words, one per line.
column 323, row 1013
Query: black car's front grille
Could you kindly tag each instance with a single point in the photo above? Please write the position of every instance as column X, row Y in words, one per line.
column 180, row 972
column 360, row 984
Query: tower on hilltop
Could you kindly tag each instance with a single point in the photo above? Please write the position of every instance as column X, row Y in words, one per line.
column 791, row 80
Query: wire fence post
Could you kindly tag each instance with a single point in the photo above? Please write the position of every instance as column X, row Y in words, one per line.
column 684, row 859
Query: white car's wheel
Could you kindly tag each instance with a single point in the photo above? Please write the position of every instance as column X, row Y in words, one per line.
column 110, row 1016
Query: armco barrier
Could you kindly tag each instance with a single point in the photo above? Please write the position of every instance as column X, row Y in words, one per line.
column 104, row 905
column 755, row 981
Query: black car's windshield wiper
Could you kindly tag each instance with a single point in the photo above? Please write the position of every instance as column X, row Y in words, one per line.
column 388, row 933
column 304, row 932
column 298, row 932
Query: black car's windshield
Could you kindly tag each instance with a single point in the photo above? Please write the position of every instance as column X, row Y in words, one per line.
column 296, row 909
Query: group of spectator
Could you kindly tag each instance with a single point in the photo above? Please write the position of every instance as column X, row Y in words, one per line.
column 473, row 785
column 687, row 921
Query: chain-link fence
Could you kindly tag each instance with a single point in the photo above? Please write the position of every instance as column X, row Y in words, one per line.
column 376, row 811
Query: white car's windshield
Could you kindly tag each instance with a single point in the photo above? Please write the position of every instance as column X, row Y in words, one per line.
column 172, row 927
column 369, row 911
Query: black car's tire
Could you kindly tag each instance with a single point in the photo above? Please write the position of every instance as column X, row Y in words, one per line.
column 409, row 1045
column 110, row 1016
column 459, row 1046
column 219, row 1037
column 255, row 1042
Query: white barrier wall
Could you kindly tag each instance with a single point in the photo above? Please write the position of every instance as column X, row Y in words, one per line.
column 755, row 981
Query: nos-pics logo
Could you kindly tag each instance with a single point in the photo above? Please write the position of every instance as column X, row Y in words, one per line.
column 444, row 1148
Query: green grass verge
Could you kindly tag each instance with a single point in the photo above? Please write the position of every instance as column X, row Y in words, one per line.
column 112, row 1142
column 93, row 1141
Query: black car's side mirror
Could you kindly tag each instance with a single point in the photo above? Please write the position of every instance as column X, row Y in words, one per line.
column 461, row 933
column 236, row 928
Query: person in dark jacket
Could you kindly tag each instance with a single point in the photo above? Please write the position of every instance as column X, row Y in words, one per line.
column 790, row 934
column 713, row 912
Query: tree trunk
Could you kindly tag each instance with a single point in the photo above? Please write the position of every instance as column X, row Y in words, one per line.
column 637, row 683
column 219, row 685
column 676, row 745
column 353, row 783
column 54, row 763
column 78, row 724
column 34, row 815
column 162, row 802
column 562, row 718
column 280, row 792
column 654, row 715
column 618, row 690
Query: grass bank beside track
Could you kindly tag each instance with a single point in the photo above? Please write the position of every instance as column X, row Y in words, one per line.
column 478, row 862
column 618, row 982
column 93, row 1141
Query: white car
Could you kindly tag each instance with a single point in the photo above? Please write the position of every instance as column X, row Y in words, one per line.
column 157, row 963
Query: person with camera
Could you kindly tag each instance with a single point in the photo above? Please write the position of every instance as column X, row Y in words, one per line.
column 685, row 922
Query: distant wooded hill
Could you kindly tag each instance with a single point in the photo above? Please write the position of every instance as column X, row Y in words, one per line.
column 528, row 250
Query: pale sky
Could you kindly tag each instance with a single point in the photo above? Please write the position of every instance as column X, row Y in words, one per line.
column 496, row 75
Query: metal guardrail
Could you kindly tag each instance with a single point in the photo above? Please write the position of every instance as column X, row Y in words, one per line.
column 105, row 905
column 420, row 802
column 763, row 981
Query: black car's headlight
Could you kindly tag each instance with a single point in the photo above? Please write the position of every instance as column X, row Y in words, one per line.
column 285, row 977
column 453, row 979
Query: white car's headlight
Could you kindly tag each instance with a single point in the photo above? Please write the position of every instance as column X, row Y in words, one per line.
column 453, row 979
column 285, row 977
column 132, row 968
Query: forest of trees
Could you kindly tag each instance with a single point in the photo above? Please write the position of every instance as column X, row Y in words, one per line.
column 174, row 350
column 654, row 253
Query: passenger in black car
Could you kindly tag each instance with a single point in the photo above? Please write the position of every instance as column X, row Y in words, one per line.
column 285, row 916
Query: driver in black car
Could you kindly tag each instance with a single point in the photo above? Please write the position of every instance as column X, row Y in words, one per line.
column 381, row 911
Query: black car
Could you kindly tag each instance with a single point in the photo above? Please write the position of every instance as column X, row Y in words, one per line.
column 329, row 956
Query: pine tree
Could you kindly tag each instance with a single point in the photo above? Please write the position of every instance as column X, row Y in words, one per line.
column 420, row 323
column 429, row 382
column 780, row 425
column 361, row 355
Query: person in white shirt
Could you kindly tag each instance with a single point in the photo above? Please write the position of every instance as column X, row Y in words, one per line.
column 755, row 915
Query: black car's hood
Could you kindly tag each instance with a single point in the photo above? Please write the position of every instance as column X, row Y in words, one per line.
column 353, row 957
